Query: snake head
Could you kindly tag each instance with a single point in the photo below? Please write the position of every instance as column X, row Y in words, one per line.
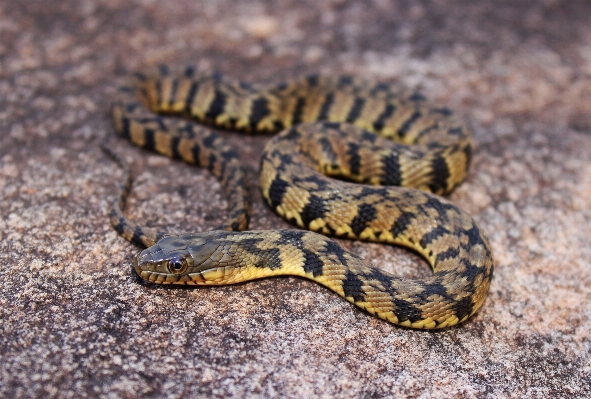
column 179, row 259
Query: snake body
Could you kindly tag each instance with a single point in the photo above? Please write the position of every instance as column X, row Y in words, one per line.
column 343, row 144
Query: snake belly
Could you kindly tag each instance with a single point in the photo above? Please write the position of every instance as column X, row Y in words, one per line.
column 343, row 145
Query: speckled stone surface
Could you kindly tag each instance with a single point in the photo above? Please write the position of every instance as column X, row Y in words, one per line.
column 75, row 321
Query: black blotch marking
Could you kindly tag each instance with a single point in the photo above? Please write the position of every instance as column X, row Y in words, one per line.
column 401, row 223
column 163, row 70
column 417, row 97
column 366, row 213
column 440, row 173
column 298, row 111
column 455, row 131
column 291, row 135
column 392, row 170
column 281, row 86
column 450, row 253
column 293, row 237
column 191, row 96
column 196, row 151
column 277, row 191
column 258, row 111
column 443, row 111
column 425, row 131
column 211, row 162
column 216, row 107
column 380, row 276
column 468, row 153
column 352, row 287
column 120, row 227
column 463, row 307
column 132, row 107
column 174, row 144
column 149, row 139
column 332, row 248
column 386, row 114
column 174, row 89
column 368, row 136
column 125, row 128
column 380, row 86
column 140, row 76
column 354, row 158
column 355, row 110
column 314, row 209
column 209, row 140
column 327, row 149
column 278, row 126
column 246, row 86
column 332, row 125
column 190, row 71
column 312, row 80
column 345, row 81
column 406, row 311
column 440, row 207
column 158, row 86
column 230, row 155
column 408, row 124
column 312, row 263
column 269, row 258
column 319, row 180
column 474, row 237
column 137, row 236
column 433, row 235
column 262, row 258
column 326, row 105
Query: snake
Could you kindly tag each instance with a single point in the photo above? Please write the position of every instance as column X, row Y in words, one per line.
column 351, row 158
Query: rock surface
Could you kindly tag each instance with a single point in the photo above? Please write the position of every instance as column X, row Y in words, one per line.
column 75, row 321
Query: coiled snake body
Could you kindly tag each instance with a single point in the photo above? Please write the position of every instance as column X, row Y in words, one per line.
column 367, row 138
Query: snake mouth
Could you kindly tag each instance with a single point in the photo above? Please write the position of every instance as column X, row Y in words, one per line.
column 168, row 278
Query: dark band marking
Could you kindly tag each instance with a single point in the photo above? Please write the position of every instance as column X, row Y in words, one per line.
column 149, row 142
column 326, row 105
column 352, row 287
column 191, row 96
column 417, row 97
column 433, row 235
column 440, row 173
column 406, row 311
column 298, row 111
column 366, row 213
column 277, row 191
column 392, row 170
column 314, row 209
column 216, row 108
column 312, row 80
column 312, row 263
column 463, row 307
column 356, row 110
column 401, row 223
column 408, row 124
column 386, row 114
column 449, row 254
column 258, row 111
column 190, row 71
column 354, row 158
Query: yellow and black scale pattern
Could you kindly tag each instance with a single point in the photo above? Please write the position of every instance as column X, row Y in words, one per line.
column 367, row 138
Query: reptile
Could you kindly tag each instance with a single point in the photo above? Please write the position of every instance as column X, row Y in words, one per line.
column 353, row 158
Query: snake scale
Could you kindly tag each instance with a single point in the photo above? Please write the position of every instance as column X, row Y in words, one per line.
column 343, row 144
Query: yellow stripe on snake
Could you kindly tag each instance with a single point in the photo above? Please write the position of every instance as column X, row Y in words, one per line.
column 367, row 138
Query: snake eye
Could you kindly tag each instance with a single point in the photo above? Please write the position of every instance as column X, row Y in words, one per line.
column 177, row 265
